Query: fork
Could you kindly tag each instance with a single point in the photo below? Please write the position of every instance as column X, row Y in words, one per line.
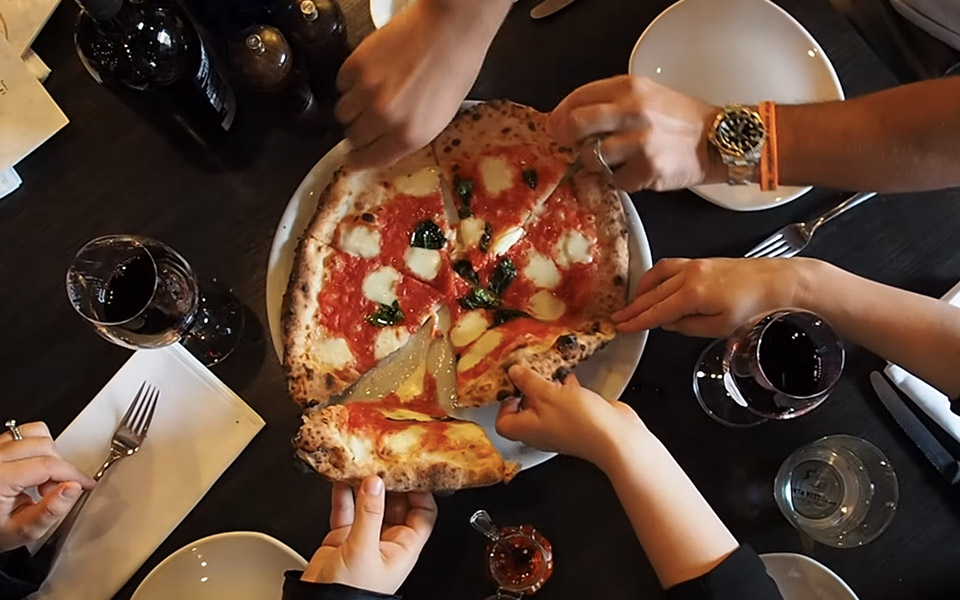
column 126, row 441
column 791, row 239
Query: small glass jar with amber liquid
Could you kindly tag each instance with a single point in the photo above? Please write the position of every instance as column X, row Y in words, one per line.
column 519, row 559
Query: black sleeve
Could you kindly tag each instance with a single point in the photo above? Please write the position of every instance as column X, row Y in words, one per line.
column 294, row 589
column 19, row 575
column 741, row 576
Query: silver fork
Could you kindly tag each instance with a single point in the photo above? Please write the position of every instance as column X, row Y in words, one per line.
column 791, row 239
column 126, row 441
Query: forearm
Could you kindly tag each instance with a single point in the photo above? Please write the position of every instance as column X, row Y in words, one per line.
column 680, row 533
column 902, row 139
column 919, row 333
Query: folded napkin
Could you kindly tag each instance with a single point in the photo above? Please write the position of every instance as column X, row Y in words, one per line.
column 929, row 399
column 199, row 428
column 28, row 115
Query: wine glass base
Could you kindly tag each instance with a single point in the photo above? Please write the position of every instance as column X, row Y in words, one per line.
column 712, row 394
column 218, row 325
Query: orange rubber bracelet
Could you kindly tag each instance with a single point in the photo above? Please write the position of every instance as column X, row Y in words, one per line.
column 769, row 158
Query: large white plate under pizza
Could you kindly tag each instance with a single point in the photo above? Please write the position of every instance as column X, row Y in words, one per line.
column 608, row 372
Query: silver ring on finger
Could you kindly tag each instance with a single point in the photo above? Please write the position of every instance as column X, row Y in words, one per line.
column 11, row 425
column 597, row 151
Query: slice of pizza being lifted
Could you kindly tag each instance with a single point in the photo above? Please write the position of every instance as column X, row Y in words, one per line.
column 409, row 442
column 501, row 165
column 546, row 302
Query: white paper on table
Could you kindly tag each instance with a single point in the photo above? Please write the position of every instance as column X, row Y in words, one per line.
column 9, row 181
column 22, row 20
column 930, row 400
column 199, row 428
column 28, row 115
column 35, row 65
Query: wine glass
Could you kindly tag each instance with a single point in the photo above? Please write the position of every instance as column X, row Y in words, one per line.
column 140, row 293
column 779, row 367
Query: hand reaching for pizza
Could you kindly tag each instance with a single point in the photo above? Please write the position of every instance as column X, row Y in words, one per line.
column 405, row 82
column 34, row 462
column 654, row 137
column 565, row 418
column 375, row 539
column 712, row 297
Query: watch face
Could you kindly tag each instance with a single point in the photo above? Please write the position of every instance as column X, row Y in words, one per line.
column 740, row 131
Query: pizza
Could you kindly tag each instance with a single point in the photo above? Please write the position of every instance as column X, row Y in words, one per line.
column 501, row 165
column 487, row 241
column 409, row 442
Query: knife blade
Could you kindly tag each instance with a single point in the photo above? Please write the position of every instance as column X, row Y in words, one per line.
column 943, row 461
column 549, row 7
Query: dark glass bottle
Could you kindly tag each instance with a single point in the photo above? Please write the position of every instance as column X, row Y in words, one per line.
column 316, row 30
column 264, row 63
column 150, row 54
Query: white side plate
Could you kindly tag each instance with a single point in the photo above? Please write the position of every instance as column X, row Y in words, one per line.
column 240, row 565
column 736, row 51
column 801, row 578
column 608, row 372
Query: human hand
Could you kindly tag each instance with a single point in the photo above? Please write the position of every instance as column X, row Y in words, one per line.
column 34, row 462
column 375, row 540
column 405, row 82
column 653, row 137
column 565, row 418
column 713, row 297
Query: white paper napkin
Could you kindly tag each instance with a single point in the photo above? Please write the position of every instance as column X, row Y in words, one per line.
column 22, row 20
column 28, row 115
column 199, row 428
column 9, row 181
column 929, row 399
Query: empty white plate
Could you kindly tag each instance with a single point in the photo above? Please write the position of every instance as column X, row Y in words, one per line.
column 239, row 565
column 736, row 51
column 800, row 577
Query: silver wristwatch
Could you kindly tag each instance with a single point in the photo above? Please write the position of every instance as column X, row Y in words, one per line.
column 738, row 133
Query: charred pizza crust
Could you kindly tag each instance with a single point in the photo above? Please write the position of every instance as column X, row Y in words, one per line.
column 497, row 122
column 327, row 443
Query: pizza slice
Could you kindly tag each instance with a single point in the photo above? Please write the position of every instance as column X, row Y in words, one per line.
column 342, row 315
column 395, row 215
column 409, row 442
column 501, row 165
column 550, row 349
column 572, row 263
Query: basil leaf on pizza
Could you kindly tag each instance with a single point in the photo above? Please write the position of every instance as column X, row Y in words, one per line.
column 428, row 235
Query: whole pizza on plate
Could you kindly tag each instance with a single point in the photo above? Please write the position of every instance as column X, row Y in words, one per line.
column 483, row 243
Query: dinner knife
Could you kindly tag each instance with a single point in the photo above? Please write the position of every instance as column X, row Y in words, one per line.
column 549, row 7
column 943, row 461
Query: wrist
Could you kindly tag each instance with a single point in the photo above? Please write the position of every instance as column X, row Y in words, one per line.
column 620, row 440
column 809, row 285
column 714, row 170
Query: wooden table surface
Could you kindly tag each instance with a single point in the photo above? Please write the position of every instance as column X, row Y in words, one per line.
column 110, row 172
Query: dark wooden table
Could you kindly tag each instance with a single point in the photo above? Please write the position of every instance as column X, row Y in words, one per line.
column 109, row 172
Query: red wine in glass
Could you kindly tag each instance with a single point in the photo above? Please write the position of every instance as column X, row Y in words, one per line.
column 780, row 367
column 140, row 293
